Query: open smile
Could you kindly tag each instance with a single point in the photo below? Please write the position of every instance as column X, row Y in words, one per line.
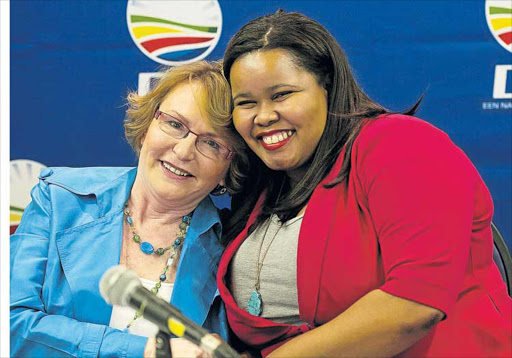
column 276, row 139
column 171, row 169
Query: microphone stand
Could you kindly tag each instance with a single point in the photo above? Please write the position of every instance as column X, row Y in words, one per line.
column 163, row 345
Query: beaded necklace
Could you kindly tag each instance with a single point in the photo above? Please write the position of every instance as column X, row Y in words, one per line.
column 148, row 249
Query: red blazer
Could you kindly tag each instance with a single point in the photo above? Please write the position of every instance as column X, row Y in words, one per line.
column 413, row 221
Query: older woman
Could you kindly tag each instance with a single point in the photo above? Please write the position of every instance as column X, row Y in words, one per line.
column 156, row 219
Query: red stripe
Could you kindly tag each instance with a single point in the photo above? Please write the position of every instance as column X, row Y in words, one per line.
column 506, row 37
column 153, row 45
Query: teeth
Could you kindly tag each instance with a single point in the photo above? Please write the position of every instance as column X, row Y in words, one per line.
column 175, row 171
column 276, row 138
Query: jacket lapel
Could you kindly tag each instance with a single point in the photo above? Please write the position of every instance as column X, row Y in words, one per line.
column 313, row 238
column 195, row 286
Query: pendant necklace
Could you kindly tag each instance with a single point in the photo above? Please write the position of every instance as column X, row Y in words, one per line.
column 254, row 305
column 255, row 302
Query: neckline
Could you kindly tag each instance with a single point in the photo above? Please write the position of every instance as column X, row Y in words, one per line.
column 275, row 220
column 150, row 282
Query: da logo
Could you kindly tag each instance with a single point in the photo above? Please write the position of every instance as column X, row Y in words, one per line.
column 174, row 32
column 24, row 174
column 499, row 19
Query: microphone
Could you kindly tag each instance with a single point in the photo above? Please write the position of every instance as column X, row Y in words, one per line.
column 121, row 286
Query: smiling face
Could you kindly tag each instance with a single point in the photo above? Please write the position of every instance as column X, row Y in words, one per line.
column 172, row 168
column 280, row 109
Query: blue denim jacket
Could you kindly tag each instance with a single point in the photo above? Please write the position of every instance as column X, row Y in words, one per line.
column 70, row 234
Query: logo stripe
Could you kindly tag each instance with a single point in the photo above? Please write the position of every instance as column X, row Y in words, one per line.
column 499, row 10
column 14, row 218
column 140, row 18
column 153, row 45
column 182, row 55
column 143, row 31
column 501, row 23
column 506, row 37
column 15, row 208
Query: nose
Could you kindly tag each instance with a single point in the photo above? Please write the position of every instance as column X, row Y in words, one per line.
column 185, row 148
column 266, row 116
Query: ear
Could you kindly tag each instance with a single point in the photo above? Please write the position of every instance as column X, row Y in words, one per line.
column 143, row 138
column 222, row 182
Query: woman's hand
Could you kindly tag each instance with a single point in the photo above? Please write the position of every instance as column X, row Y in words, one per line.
column 180, row 347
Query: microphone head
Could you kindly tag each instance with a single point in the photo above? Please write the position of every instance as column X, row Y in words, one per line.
column 117, row 284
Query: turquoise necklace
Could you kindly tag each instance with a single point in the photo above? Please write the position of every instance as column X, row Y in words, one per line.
column 254, row 305
column 148, row 249
column 255, row 302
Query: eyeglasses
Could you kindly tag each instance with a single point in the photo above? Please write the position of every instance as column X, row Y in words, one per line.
column 207, row 146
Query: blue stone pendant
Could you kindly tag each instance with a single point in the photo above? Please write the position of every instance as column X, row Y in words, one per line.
column 254, row 303
column 147, row 248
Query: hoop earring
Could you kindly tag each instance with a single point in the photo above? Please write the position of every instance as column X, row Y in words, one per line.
column 219, row 190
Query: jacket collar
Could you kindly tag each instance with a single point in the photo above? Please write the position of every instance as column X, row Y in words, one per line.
column 110, row 187
column 205, row 217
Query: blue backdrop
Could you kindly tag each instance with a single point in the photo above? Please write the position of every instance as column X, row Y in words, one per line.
column 72, row 63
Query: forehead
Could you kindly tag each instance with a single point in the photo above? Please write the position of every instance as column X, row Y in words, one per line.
column 187, row 103
column 267, row 66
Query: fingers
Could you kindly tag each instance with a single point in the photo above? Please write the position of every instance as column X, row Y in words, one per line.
column 182, row 348
column 150, row 348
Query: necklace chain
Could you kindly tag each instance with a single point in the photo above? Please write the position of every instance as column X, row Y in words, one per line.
column 148, row 249
column 259, row 263
column 255, row 302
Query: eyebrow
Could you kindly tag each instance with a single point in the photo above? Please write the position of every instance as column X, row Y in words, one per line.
column 270, row 89
column 187, row 122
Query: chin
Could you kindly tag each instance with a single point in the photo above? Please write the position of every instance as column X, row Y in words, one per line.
column 279, row 165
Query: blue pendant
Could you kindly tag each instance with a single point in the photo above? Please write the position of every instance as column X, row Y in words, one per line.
column 147, row 248
column 254, row 303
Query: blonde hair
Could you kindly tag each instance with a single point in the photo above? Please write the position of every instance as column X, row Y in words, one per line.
column 213, row 96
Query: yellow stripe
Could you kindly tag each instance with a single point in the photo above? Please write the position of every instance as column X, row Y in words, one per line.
column 501, row 22
column 14, row 218
column 141, row 31
column 176, row 327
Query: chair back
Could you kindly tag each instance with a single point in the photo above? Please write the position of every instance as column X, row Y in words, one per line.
column 502, row 258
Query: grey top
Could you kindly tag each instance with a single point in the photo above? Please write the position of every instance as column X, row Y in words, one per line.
column 278, row 277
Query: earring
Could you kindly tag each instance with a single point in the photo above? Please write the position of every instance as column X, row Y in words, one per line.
column 219, row 190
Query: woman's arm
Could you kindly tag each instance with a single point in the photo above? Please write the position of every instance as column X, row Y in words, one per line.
column 33, row 331
column 377, row 325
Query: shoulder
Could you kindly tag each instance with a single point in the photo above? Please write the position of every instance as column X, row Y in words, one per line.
column 83, row 181
column 399, row 135
column 391, row 142
column 400, row 128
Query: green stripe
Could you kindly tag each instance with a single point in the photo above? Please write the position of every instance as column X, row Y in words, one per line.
column 14, row 208
column 499, row 10
column 139, row 18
